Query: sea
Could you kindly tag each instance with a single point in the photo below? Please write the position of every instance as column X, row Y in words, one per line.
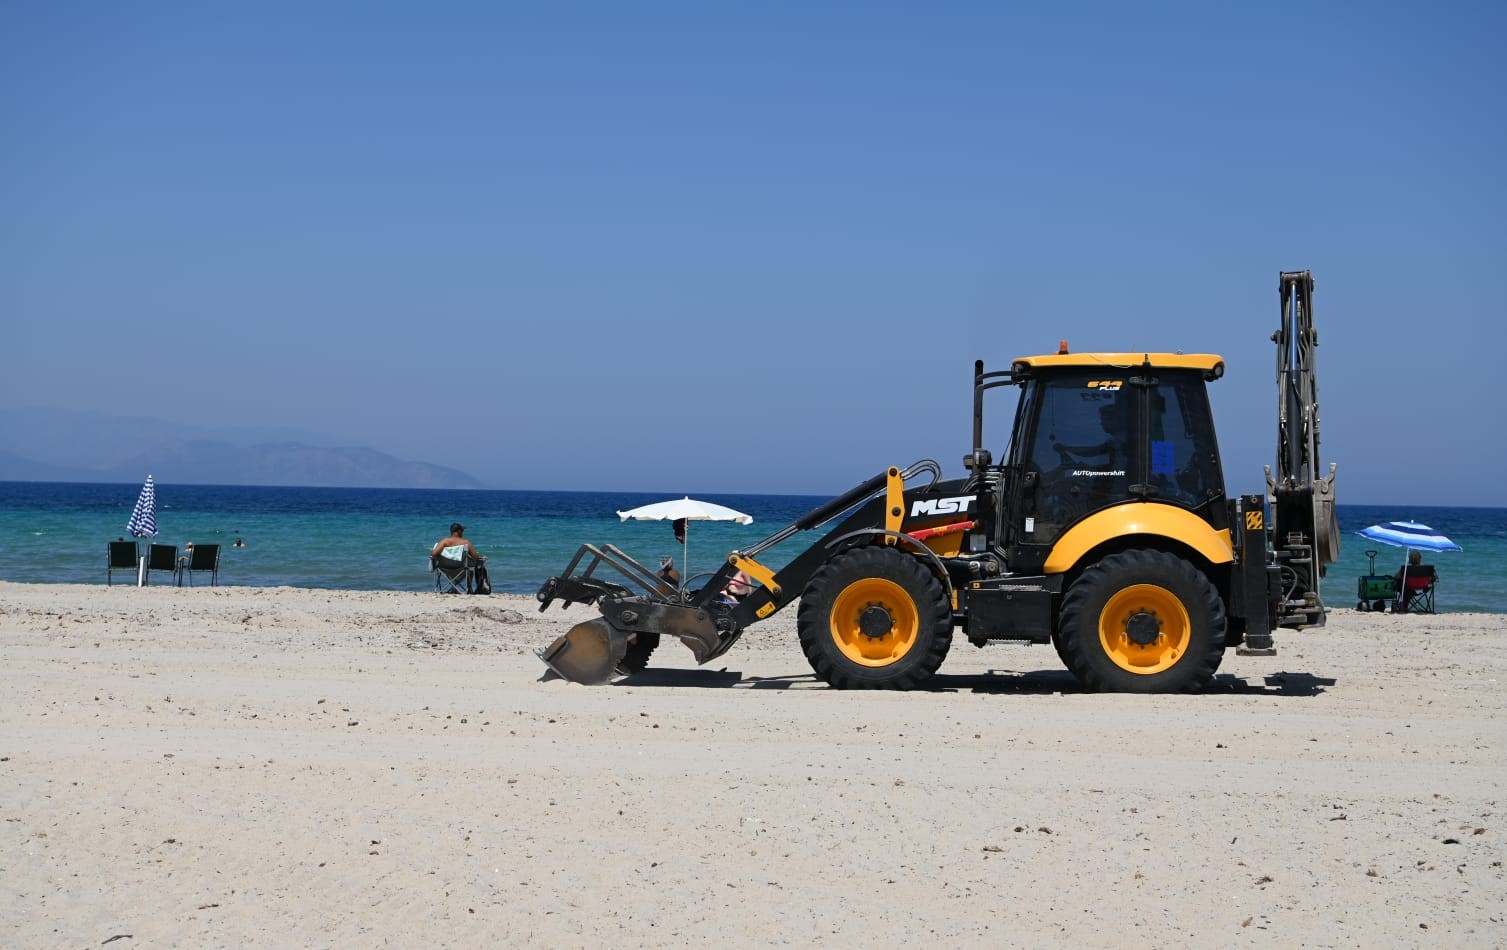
column 379, row 539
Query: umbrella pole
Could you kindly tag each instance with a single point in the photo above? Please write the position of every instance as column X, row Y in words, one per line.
column 1402, row 585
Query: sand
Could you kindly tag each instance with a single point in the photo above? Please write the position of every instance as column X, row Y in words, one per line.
column 215, row 767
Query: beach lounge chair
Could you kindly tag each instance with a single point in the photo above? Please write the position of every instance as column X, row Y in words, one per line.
column 454, row 570
column 1417, row 593
column 206, row 557
column 123, row 557
column 162, row 557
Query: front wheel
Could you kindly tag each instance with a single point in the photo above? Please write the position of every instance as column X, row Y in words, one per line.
column 1142, row 622
column 874, row 618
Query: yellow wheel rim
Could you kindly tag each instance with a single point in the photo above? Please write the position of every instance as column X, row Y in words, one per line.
column 1144, row 612
column 870, row 597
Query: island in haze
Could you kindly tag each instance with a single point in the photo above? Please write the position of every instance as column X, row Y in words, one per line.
column 65, row 446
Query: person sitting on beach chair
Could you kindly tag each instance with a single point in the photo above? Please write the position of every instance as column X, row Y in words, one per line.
column 1415, row 586
column 457, row 564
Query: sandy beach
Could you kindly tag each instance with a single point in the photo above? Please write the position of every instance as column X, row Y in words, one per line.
column 215, row 767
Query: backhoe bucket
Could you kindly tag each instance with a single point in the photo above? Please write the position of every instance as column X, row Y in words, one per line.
column 589, row 653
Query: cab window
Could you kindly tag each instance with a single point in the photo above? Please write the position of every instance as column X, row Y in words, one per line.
column 1084, row 429
column 1180, row 424
column 1081, row 449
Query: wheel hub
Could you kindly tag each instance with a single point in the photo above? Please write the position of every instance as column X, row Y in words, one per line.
column 875, row 622
column 1143, row 628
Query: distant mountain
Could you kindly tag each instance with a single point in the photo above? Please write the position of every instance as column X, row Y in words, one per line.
column 52, row 445
column 14, row 468
column 92, row 440
column 220, row 463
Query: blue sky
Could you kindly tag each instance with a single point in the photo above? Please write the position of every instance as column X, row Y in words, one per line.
column 751, row 247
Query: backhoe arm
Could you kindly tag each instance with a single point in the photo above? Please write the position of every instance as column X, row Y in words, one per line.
column 1305, row 531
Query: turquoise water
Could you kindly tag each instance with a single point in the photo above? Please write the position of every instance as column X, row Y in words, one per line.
column 354, row 538
column 379, row 539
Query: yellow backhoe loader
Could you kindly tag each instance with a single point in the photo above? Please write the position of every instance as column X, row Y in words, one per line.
column 1104, row 530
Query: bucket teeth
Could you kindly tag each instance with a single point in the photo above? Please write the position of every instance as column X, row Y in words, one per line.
column 589, row 653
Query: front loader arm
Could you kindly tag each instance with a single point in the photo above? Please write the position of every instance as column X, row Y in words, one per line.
column 874, row 506
column 637, row 607
column 581, row 585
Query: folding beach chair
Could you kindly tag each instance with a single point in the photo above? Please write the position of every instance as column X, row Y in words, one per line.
column 453, row 575
column 162, row 557
column 123, row 557
column 205, row 557
column 1417, row 593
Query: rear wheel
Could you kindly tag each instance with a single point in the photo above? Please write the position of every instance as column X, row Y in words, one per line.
column 874, row 618
column 1142, row 622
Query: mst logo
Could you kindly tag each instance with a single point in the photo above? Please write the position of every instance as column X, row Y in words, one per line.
column 941, row 506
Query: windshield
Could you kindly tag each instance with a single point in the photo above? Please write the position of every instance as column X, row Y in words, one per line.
column 1084, row 425
column 1080, row 447
column 1012, row 454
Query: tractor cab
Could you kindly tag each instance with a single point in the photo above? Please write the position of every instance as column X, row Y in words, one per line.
column 1095, row 431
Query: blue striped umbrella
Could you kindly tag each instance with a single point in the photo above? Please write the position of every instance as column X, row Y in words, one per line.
column 143, row 523
column 1408, row 534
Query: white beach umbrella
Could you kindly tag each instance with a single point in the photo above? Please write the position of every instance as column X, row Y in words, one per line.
column 687, row 509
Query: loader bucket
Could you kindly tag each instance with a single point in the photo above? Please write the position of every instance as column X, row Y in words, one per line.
column 588, row 653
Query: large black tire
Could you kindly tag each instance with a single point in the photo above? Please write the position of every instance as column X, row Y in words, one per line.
column 874, row 618
column 636, row 659
column 1061, row 653
column 1142, row 622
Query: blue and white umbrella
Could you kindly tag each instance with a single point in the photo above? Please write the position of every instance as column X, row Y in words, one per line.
column 1408, row 534
column 143, row 523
